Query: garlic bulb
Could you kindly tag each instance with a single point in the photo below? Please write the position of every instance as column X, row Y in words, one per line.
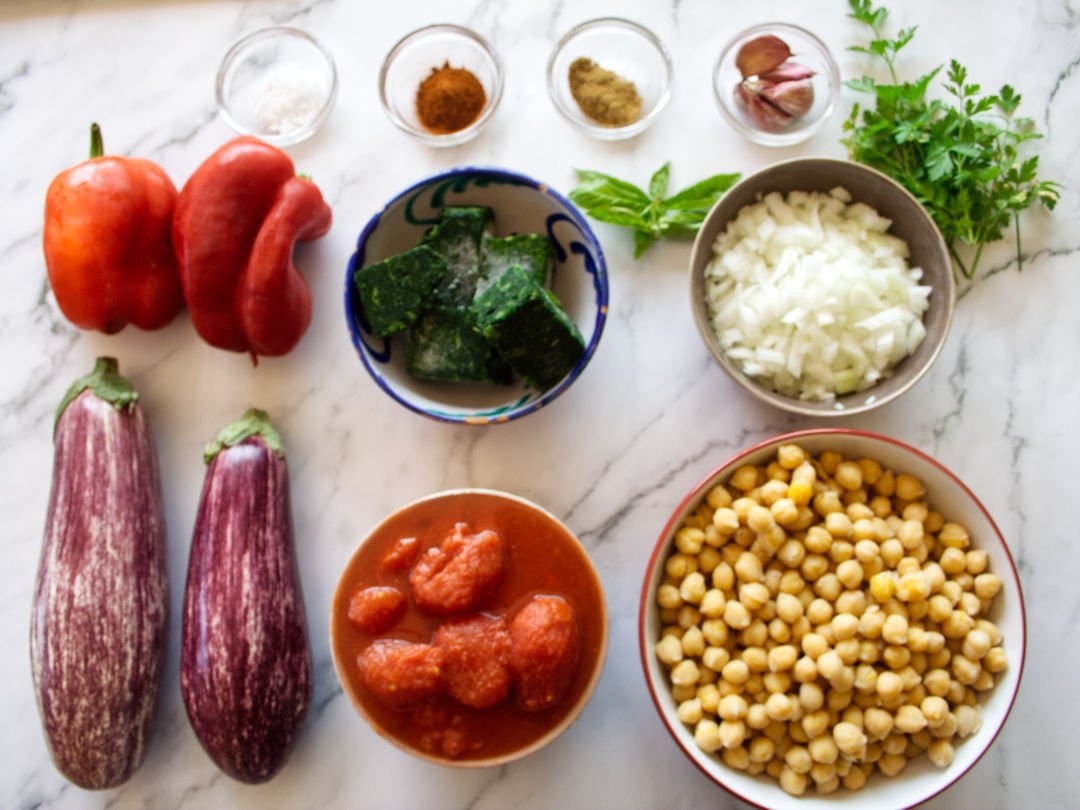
column 774, row 91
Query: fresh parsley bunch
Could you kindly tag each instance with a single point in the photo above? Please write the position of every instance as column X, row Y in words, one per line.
column 958, row 157
column 651, row 215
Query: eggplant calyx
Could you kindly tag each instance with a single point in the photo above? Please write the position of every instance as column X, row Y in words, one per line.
column 254, row 423
column 106, row 383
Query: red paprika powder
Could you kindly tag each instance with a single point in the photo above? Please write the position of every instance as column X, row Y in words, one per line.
column 449, row 99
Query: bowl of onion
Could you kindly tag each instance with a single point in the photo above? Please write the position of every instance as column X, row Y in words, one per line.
column 822, row 287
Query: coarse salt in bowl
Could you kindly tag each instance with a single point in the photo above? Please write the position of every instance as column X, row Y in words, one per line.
column 277, row 84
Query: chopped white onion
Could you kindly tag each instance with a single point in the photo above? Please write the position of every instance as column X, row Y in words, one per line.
column 811, row 295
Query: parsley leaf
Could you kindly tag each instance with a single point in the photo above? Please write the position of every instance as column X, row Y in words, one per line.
column 651, row 215
column 958, row 157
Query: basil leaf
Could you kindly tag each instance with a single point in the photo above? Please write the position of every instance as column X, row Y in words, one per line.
column 617, row 215
column 659, row 182
column 682, row 222
column 611, row 189
column 643, row 240
column 702, row 196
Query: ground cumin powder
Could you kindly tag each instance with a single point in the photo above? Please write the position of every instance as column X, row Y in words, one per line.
column 449, row 99
column 605, row 97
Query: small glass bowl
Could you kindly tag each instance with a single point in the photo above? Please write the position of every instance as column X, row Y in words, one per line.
column 628, row 50
column 806, row 50
column 416, row 55
column 277, row 84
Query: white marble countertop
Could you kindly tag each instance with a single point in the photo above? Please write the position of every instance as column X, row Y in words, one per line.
column 651, row 415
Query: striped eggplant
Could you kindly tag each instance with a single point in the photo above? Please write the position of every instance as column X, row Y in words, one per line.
column 245, row 662
column 100, row 613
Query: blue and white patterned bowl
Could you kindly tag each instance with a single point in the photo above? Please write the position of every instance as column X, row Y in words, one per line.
column 521, row 205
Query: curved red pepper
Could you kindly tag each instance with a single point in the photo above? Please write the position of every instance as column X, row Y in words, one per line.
column 237, row 219
column 108, row 243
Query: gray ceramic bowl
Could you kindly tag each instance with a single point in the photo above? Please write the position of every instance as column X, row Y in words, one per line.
column 910, row 222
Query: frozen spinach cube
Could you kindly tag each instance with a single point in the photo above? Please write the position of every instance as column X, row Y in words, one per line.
column 529, row 328
column 445, row 345
column 394, row 291
column 457, row 237
column 529, row 251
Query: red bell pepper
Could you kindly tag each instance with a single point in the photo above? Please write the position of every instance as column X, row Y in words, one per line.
column 237, row 219
column 108, row 242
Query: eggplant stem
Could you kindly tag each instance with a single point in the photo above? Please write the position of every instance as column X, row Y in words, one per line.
column 104, row 382
column 255, row 423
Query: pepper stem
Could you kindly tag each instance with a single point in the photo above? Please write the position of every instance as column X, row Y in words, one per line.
column 255, row 422
column 106, row 383
column 97, row 143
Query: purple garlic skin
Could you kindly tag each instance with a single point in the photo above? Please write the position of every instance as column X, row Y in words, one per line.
column 761, row 55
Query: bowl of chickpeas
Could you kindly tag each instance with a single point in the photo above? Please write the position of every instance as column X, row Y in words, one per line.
column 832, row 615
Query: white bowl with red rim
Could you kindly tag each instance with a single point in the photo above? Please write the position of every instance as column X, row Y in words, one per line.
column 946, row 493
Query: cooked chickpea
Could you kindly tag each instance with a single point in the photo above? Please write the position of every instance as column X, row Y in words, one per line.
column 735, row 671
column 976, row 644
column 895, row 629
column 994, row 661
column 793, row 782
column 688, row 616
column 838, row 524
column 819, row 612
column 953, row 535
column 754, row 595
column 756, row 659
column 685, row 673
column 693, row 642
column 718, row 497
column 788, row 607
column 709, row 695
column 689, row 540
column 798, row 759
column 736, row 616
column 689, row 711
column 744, row 479
column 910, row 719
column 889, row 685
column 814, row 645
column 940, row 753
column 669, row 650
column 732, row 733
column 805, row 670
column 779, row 707
column 748, row 568
column 707, row 736
column 909, row 488
column 823, row 749
column 987, row 586
column 883, row 586
column 725, row 520
column 736, row 758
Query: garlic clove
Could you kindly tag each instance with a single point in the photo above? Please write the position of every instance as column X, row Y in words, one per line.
column 787, row 72
column 794, row 98
column 761, row 54
column 764, row 115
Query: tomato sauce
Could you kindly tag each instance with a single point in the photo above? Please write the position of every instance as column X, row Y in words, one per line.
column 541, row 559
